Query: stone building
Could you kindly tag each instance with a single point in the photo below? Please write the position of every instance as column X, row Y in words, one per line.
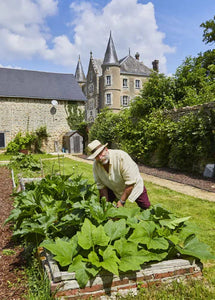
column 111, row 82
column 31, row 99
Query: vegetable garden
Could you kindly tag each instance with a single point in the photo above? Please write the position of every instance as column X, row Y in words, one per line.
column 64, row 214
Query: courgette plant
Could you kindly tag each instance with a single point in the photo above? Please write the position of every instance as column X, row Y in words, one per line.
column 86, row 235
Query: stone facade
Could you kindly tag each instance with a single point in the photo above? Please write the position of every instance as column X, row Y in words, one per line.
column 32, row 99
column 30, row 114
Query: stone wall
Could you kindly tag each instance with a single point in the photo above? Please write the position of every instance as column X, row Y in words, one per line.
column 176, row 114
column 30, row 114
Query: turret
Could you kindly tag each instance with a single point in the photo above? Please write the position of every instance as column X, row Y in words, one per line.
column 79, row 73
column 111, row 77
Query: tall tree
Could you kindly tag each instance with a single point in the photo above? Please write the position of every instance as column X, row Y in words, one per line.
column 209, row 31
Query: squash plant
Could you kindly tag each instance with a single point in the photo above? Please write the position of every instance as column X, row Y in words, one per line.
column 87, row 235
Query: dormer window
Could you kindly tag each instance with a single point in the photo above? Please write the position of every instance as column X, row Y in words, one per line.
column 137, row 84
column 108, row 80
column 125, row 82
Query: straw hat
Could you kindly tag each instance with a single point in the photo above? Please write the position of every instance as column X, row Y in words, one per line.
column 95, row 147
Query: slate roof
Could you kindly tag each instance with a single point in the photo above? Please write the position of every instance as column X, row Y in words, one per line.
column 79, row 73
column 39, row 85
column 110, row 57
column 130, row 65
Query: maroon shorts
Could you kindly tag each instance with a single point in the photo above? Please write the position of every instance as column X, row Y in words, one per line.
column 142, row 201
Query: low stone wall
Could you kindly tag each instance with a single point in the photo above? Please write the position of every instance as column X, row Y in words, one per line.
column 176, row 114
column 106, row 284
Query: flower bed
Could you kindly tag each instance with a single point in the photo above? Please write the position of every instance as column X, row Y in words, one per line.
column 107, row 284
column 101, row 248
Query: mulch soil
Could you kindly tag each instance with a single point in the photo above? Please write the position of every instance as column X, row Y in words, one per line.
column 13, row 282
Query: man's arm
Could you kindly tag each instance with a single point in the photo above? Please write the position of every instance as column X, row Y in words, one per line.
column 127, row 191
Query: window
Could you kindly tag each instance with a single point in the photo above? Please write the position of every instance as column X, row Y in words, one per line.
column 137, row 84
column 2, row 140
column 125, row 100
column 108, row 99
column 125, row 82
column 108, row 80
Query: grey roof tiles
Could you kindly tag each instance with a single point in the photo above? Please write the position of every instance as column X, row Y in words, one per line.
column 110, row 57
column 39, row 85
column 130, row 65
column 79, row 73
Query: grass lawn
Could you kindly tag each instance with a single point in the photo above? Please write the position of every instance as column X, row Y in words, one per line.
column 7, row 157
column 202, row 213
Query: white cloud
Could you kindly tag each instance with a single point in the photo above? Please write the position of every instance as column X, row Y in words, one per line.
column 24, row 33
column 22, row 27
column 133, row 26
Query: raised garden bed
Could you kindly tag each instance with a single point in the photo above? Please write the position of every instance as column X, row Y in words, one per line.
column 64, row 284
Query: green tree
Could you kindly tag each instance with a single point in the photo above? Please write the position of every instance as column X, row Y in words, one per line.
column 104, row 127
column 157, row 93
column 75, row 115
column 194, row 80
column 209, row 31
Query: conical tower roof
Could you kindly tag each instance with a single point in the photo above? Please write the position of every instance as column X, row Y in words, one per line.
column 79, row 73
column 110, row 54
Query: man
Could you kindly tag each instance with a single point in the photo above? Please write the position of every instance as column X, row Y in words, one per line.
column 117, row 176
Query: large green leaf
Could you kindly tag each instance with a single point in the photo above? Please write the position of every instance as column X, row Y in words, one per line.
column 64, row 251
column 144, row 234
column 80, row 269
column 110, row 260
column 123, row 212
column 193, row 247
column 157, row 243
column 142, row 230
column 151, row 256
column 91, row 235
column 173, row 223
column 116, row 230
column 130, row 258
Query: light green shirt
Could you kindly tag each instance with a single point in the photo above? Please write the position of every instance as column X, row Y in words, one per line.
column 122, row 171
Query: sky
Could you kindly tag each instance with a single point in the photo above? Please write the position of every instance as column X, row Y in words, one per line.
column 49, row 35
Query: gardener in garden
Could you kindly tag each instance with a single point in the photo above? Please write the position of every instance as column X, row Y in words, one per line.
column 117, row 176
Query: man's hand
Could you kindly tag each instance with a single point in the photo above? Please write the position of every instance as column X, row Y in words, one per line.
column 119, row 204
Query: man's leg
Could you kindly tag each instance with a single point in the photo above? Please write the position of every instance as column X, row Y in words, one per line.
column 111, row 195
column 143, row 200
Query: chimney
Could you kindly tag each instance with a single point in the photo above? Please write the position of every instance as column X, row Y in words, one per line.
column 155, row 65
column 137, row 55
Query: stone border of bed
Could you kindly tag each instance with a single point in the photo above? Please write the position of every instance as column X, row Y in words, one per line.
column 63, row 284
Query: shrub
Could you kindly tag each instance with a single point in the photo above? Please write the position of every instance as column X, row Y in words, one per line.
column 31, row 141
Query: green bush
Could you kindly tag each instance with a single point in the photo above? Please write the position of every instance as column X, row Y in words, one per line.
column 30, row 141
column 20, row 142
column 23, row 161
column 192, row 141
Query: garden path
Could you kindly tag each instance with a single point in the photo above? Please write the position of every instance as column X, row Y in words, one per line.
column 170, row 184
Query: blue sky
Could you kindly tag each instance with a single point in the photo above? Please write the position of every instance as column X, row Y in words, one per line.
column 49, row 35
